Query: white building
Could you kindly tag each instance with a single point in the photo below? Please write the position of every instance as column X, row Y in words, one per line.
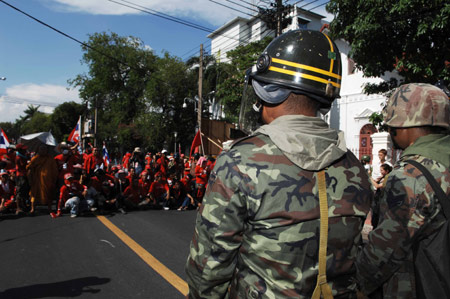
column 350, row 113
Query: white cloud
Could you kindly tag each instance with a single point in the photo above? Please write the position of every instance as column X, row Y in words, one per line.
column 194, row 9
column 17, row 98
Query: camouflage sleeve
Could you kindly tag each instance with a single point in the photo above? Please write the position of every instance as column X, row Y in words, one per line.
column 218, row 232
column 406, row 209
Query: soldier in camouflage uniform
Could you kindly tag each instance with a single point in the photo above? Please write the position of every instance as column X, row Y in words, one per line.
column 257, row 234
column 418, row 118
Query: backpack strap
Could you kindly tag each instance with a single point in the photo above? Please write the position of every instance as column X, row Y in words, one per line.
column 443, row 198
column 322, row 287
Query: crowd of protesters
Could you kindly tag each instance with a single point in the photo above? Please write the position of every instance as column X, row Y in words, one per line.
column 77, row 183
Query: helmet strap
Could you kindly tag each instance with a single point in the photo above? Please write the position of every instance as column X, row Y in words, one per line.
column 257, row 106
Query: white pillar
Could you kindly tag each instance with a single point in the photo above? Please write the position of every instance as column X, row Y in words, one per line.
column 380, row 141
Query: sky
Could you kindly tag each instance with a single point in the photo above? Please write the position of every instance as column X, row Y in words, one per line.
column 37, row 62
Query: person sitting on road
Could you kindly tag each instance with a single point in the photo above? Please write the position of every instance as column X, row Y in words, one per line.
column 159, row 192
column 72, row 196
column 95, row 187
column 189, row 189
column 119, row 188
column 133, row 195
column 7, row 192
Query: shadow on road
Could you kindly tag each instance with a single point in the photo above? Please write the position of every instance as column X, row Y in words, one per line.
column 68, row 288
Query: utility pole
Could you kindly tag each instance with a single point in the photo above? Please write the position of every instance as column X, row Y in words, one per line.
column 200, row 86
column 280, row 9
column 95, row 124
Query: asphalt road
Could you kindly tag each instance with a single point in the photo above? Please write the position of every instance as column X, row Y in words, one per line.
column 43, row 257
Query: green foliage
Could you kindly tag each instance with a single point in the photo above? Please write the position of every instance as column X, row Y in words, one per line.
column 120, row 68
column 39, row 122
column 376, row 119
column 138, row 94
column 410, row 36
column 231, row 81
column 64, row 118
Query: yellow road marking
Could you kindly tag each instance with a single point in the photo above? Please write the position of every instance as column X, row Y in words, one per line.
column 156, row 265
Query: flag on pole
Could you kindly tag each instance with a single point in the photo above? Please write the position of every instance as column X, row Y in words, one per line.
column 196, row 142
column 105, row 155
column 4, row 142
column 76, row 132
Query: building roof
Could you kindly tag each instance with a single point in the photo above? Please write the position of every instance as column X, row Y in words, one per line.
column 228, row 24
column 241, row 19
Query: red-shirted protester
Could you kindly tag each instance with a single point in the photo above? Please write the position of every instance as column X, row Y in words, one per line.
column 87, row 184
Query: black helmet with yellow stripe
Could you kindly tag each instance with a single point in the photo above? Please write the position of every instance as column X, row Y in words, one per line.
column 299, row 61
column 306, row 61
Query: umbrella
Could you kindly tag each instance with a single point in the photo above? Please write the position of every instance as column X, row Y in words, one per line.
column 33, row 141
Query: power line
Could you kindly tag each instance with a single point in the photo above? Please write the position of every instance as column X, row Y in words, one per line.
column 249, row 3
column 162, row 15
column 249, row 29
column 242, row 5
column 309, row 3
column 248, row 33
column 19, row 101
column 319, row 5
column 68, row 36
column 230, row 7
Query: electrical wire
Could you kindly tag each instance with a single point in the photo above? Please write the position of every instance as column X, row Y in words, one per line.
column 19, row 101
column 249, row 3
column 309, row 3
column 247, row 33
column 242, row 5
column 167, row 18
column 230, row 8
column 318, row 5
column 161, row 15
column 68, row 36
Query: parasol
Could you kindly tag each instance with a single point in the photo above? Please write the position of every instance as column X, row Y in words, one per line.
column 33, row 141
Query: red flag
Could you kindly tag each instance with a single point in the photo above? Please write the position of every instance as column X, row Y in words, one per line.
column 196, row 142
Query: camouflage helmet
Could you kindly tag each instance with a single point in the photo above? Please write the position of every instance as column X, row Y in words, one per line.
column 416, row 105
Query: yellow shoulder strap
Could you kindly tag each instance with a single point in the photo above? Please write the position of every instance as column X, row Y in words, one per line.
column 322, row 287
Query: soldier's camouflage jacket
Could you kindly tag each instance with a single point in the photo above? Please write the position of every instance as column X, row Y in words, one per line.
column 409, row 210
column 257, row 233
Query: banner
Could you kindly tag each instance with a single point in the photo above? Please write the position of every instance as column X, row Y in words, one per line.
column 4, row 142
column 76, row 132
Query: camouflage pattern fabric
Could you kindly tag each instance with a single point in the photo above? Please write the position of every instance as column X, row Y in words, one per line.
column 408, row 211
column 257, row 234
column 417, row 104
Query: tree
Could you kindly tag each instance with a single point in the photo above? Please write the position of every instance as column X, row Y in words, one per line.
column 39, row 122
column 166, row 91
column 119, row 70
column 64, row 119
column 410, row 36
column 232, row 75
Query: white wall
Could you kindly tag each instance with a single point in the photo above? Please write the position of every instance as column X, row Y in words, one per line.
column 349, row 113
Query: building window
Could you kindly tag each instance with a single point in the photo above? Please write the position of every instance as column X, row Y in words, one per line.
column 303, row 23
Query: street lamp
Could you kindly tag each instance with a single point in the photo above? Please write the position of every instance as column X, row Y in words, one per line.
column 199, row 121
column 175, row 135
column 192, row 101
column 3, row 78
